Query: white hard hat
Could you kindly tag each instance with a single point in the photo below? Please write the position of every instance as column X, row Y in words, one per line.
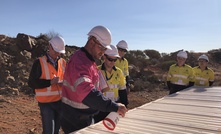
column 122, row 44
column 182, row 54
column 204, row 57
column 112, row 52
column 58, row 44
column 102, row 34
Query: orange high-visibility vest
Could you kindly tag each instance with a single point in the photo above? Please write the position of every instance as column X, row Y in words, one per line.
column 53, row 92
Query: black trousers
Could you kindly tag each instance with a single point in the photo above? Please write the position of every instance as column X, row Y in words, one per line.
column 175, row 88
column 72, row 120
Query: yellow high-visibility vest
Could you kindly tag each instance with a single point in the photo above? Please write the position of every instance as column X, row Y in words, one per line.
column 123, row 65
column 180, row 75
column 202, row 78
column 115, row 80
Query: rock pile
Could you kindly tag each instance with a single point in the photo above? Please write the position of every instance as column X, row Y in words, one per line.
column 16, row 58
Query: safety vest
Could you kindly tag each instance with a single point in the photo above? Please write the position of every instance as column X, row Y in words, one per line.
column 202, row 78
column 123, row 65
column 180, row 75
column 115, row 80
column 53, row 92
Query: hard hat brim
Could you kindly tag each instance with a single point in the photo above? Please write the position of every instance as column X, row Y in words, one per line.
column 113, row 55
column 61, row 51
column 107, row 46
column 203, row 59
column 122, row 48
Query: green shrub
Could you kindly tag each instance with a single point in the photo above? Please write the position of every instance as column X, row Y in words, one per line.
column 166, row 65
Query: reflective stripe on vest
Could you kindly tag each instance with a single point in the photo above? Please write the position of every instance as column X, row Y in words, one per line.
column 201, row 78
column 76, row 83
column 113, row 86
column 62, row 63
column 116, row 86
column 46, row 70
column 74, row 104
column 53, row 92
column 179, row 83
column 180, row 76
column 48, row 93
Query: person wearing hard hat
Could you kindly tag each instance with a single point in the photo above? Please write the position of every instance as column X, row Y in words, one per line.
column 115, row 79
column 81, row 94
column 204, row 76
column 180, row 75
column 122, row 62
column 46, row 78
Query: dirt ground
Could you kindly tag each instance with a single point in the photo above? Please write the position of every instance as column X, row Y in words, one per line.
column 20, row 114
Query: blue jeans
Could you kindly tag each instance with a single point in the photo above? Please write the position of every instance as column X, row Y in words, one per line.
column 50, row 116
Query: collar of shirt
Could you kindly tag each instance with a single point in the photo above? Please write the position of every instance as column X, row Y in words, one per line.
column 122, row 58
column 87, row 54
column 182, row 65
column 54, row 63
column 205, row 69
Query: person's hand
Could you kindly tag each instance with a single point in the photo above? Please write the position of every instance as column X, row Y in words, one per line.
column 121, row 109
column 55, row 80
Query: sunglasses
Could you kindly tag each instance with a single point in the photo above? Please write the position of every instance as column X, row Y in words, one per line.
column 111, row 60
column 99, row 45
column 122, row 50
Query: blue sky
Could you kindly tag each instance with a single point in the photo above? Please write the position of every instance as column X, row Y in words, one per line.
column 162, row 25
